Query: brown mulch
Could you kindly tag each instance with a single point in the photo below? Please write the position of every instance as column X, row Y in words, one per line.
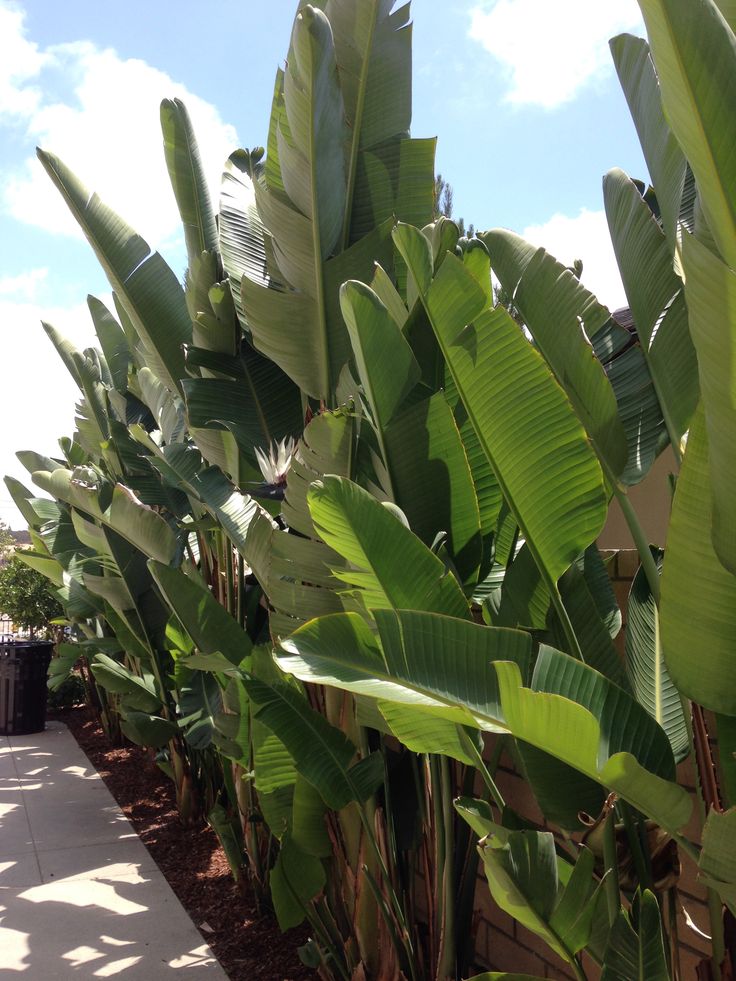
column 247, row 944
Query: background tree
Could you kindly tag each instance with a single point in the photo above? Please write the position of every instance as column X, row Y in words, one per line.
column 27, row 597
column 6, row 539
column 443, row 197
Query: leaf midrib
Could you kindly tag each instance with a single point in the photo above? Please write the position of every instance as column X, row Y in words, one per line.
column 357, row 126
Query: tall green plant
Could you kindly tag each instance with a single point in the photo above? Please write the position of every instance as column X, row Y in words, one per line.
column 413, row 664
column 426, row 570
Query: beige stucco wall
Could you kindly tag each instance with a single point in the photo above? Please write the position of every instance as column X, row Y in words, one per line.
column 651, row 500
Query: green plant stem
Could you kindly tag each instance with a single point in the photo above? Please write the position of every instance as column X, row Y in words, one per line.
column 241, row 591
column 641, row 864
column 356, row 128
column 674, row 943
column 440, row 855
column 613, row 895
column 473, row 751
column 640, row 540
column 570, row 635
column 718, row 942
column 322, row 932
column 447, row 958
column 229, row 571
column 580, row 974
column 396, row 905
column 388, row 919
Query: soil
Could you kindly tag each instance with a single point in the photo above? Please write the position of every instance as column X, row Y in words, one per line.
column 247, row 944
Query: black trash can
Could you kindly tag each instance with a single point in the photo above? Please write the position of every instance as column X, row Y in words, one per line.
column 24, row 667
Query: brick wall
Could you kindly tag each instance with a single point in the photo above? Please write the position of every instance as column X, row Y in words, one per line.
column 502, row 943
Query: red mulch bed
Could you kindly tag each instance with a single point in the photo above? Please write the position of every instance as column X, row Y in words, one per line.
column 247, row 944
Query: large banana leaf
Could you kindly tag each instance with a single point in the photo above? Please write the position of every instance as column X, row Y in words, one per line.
column 306, row 221
column 373, row 50
column 522, row 418
column 125, row 514
column 339, row 167
column 635, row 950
column 432, row 661
column 647, row 671
column 392, row 179
column 433, row 483
column 728, row 9
column 710, row 290
column 321, row 752
column 487, row 490
column 664, row 158
column 143, row 613
column 523, row 598
column 548, row 294
column 47, row 566
column 561, row 791
column 245, row 522
column 521, row 868
column 215, row 325
column 35, row 510
column 570, row 732
column 311, row 136
column 208, row 624
column 327, row 446
column 384, row 360
column 147, row 287
column 625, row 726
column 260, row 406
column 295, row 879
column 562, row 317
column 66, row 351
column 309, row 830
column 241, row 231
column 591, row 605
column 717, row 860
column 341, row 651
column 294, row 571
column 187, row 179
column 274, row 772
column 200, row 703
column 139, row 692
column 302, row 580
column 698, row 626
column 423, row 732
column 641, row 413
column 656, row 299
column 89, row 372
column 694, row 52
column 112, row 341
column 380, row 548
column 306, row 339
column 427, row 469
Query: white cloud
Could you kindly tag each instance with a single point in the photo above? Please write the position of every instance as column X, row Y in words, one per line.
column 550, row 50
column 20, row 61
column 38, row 394
column 585, row 237
column 25, row 285
column 106, row 129
column 100, row 114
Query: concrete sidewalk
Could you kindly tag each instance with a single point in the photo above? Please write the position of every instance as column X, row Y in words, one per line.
column 80, row 896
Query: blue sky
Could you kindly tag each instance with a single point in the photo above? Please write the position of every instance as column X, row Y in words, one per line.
column 520, row 93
